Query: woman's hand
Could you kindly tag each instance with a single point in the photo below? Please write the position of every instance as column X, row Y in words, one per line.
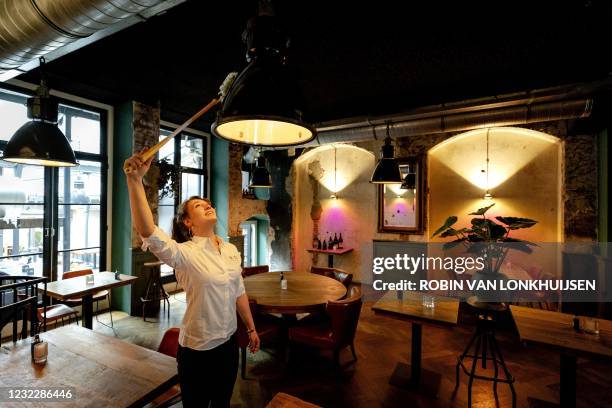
column 138, row 165
column 253, row 342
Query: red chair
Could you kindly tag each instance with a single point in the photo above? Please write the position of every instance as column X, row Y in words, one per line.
column 340, row 275
column 97, row 297
column 338, row 332
column 267, row 329
column 254, row 270
column 168, row 346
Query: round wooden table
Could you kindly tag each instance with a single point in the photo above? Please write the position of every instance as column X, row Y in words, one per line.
column 305, row 291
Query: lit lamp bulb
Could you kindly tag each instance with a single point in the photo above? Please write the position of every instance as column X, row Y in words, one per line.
column 488, row 196
column 334, row 196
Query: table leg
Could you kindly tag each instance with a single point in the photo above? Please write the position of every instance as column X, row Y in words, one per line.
column 330, row 261
column 88, row 311
column 412, row 376
column 567, row 388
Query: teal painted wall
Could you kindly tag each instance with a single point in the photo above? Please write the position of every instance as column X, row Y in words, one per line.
column 262, row 241
column 219, row 184
column 121, row 252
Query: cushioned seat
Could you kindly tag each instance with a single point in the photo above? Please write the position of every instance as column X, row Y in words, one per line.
column 254, row 270
column 340, row 275
column 335, row 334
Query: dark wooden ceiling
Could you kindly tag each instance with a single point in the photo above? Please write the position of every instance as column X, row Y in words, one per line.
column 353, row 58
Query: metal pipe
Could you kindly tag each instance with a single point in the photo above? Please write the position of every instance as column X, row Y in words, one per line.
column 461, row 117
column 32, row 28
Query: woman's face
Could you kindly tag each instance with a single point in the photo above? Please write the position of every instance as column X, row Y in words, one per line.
column 200, row 214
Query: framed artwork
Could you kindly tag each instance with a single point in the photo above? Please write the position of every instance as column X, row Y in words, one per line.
column 400, row 206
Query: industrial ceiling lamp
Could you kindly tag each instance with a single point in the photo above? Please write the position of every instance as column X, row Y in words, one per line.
column 387, row 170
column 487, row 196
column 40, row 142
column 260, row 177
column 261, row 107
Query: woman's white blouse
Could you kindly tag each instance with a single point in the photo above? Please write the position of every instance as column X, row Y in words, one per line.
column 212, row 282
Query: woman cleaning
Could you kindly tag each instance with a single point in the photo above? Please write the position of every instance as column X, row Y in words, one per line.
column 209, row 270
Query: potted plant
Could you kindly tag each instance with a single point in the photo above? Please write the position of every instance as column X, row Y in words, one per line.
column 487, row 238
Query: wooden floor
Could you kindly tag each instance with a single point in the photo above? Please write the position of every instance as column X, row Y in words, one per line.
column 381, row 342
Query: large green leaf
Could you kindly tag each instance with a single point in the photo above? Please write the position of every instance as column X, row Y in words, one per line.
column 514, row 223
column 447, row 224
column 482, row 211
column 452, row 244
column 451, row 232
column 488, row 229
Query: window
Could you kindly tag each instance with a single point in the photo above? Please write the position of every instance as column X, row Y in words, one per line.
column 249, row 232
column 53, row 219
column 190, row 151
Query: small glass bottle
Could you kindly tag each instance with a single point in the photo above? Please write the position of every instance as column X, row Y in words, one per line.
column 283, row 281
column 340, row 242
column 117, row 275
column 39, row 350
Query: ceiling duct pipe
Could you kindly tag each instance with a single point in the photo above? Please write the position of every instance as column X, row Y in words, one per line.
column 458, row 122
column 30, row 29
column 544, row 105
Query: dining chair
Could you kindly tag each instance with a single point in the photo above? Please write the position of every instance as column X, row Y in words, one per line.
column 267, row 329
column 97, row 297
column 254, row 270
column 57, row 312
column 340, row 275
column 168, row 346
column 336, row 333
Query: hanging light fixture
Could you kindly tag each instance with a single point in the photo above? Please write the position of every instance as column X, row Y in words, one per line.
column 261, row 106
column 334, row 195
column 487, row 195
column 260, row 177
column 387, row 170
column 40, row 142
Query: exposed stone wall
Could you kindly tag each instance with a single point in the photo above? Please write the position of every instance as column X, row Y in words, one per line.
column 240, row 209
column 145, row 125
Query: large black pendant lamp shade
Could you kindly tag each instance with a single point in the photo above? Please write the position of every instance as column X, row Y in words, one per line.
column 261, row 176
column 261, row 107
column 40, row 142
column 387, row 170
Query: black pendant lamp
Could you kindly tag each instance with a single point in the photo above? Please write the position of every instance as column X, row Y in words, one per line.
column 387, row 170
column 261, row 107
column 40, row 142
column 261, row 177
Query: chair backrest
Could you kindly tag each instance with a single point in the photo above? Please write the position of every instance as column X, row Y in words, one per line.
column 343, row 277
column 344, row 315
column 320, row 270
column 243, row 337
column 340, row 275
column 254, row 270
column 74, row 274
column 169, row 344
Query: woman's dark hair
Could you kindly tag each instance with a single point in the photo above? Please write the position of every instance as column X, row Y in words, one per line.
column 180, row 232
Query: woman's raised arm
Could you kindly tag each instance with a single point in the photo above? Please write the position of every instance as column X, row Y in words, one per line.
column 141, row 212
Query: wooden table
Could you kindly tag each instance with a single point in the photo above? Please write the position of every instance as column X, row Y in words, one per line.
column 103, row 371
column 78, row 287
column 330, row 254
column 305, row 291
column 409, row 306
column 555, row 330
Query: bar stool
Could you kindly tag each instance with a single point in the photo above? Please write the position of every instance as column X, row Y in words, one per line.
column 154, row 291
column 485, row 349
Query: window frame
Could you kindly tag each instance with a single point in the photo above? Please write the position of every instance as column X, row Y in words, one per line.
column 51, row 181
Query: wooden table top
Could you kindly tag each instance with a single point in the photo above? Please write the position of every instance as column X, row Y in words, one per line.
column 77, row 287
column 305, row 291
column 555, row 329
column 410, row 307
column 104, row 371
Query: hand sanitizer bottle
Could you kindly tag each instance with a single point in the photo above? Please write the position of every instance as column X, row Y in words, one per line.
column 283, row 281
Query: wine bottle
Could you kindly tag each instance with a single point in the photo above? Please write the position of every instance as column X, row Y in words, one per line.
column 324, row 245
column 335, row 242
column 314, row 242
column 319, row 245
column 340, row 241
